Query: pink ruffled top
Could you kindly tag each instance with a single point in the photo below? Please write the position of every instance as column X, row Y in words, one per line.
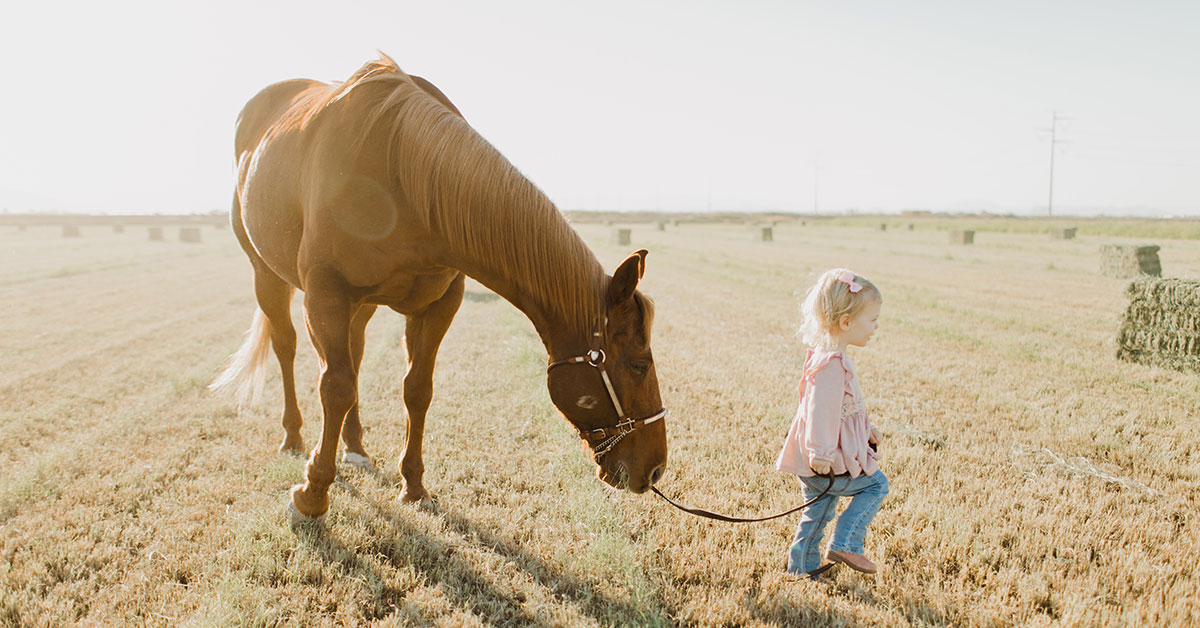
column 831, row 421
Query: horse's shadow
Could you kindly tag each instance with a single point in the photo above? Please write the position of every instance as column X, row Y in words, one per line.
column 469, row 588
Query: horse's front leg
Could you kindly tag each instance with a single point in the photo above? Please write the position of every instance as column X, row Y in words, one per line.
column 423, row 335
column 328, row 314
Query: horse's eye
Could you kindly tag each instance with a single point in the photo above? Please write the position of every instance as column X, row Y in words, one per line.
column 641, row 367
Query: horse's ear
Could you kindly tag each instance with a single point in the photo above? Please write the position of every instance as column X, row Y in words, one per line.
column 625, row 279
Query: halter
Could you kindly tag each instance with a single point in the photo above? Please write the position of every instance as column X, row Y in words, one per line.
column 607, row 437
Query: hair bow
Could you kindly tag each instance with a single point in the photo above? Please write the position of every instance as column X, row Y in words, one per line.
column 847, row 278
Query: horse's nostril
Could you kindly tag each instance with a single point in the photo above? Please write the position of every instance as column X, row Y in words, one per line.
column 657, row 474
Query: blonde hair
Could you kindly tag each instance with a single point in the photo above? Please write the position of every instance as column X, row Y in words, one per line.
column 828, row 300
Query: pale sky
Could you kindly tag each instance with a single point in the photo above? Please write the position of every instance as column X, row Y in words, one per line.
column 129, row 107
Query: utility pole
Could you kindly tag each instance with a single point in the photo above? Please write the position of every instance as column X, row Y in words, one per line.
column 1054, row 118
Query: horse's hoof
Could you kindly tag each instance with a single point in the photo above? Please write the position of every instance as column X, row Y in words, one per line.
column 413, row 496
column 305, row 507
column 357, row 460
column 300, row 520
column 424, row 503
column 292, row 449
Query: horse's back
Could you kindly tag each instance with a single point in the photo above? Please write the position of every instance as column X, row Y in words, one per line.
column 266, row 108
column 309, row 197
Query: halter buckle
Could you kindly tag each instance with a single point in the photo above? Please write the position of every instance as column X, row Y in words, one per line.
column 626, row 427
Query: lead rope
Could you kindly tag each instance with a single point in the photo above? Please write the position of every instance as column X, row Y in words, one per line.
column 700, row 512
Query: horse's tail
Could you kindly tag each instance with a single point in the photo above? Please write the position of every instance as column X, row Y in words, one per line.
column 244, row 374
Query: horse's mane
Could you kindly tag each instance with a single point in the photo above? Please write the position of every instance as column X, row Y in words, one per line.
column 309, row 103
column 465, row 191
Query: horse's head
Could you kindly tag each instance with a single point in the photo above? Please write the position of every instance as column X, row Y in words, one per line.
column 610, row 393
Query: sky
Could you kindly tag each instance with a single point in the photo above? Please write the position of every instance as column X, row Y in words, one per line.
column 750, row 105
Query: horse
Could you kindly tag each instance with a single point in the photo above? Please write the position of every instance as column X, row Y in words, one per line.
column 377, row 192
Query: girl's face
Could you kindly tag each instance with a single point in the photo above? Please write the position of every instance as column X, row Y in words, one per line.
column 858, row 330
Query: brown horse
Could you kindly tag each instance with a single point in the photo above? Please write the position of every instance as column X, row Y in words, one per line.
column 377, row 192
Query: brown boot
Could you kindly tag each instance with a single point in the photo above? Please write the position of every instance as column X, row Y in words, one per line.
column 857, row 562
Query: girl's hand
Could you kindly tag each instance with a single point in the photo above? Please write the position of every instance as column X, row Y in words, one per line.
column 820, row 467
column 874, row 437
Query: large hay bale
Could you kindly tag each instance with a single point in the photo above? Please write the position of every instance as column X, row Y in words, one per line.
column 1123, row 261
column 765, row 234
column 1065, row 233
column 1161, row 326
column 70, row 231
column 189, row 234
column 962, row 236
column 621, row 236
column 156, row 233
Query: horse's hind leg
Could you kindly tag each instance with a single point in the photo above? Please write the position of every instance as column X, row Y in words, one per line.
column 328, row 313
column 423, row 335
column 352, row 431
column 275, row 300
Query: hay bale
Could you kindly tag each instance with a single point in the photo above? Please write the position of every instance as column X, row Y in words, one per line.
column 765, row 234
column 962, row 236
column 70, row 231
column 1161, row 326
column 1123, row 261
column 1065, row 233
column 189, row 234
column 621, row 236
column 156, row 234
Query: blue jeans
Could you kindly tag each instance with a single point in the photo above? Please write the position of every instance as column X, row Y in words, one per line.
column 867, row 493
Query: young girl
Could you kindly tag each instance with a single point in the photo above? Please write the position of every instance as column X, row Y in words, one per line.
column 830, row 433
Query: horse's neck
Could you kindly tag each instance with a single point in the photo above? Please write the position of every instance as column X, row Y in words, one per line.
column 504, row 232
column 535, row 286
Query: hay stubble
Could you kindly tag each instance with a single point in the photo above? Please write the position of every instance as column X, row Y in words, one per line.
column 1018, row 449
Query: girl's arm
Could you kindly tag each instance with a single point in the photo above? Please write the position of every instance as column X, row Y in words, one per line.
column 825, row 412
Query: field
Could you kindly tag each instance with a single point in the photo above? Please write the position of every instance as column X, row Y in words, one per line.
column 1036, row 480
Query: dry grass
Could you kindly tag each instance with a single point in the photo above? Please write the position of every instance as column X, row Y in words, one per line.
column 1035, row 479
